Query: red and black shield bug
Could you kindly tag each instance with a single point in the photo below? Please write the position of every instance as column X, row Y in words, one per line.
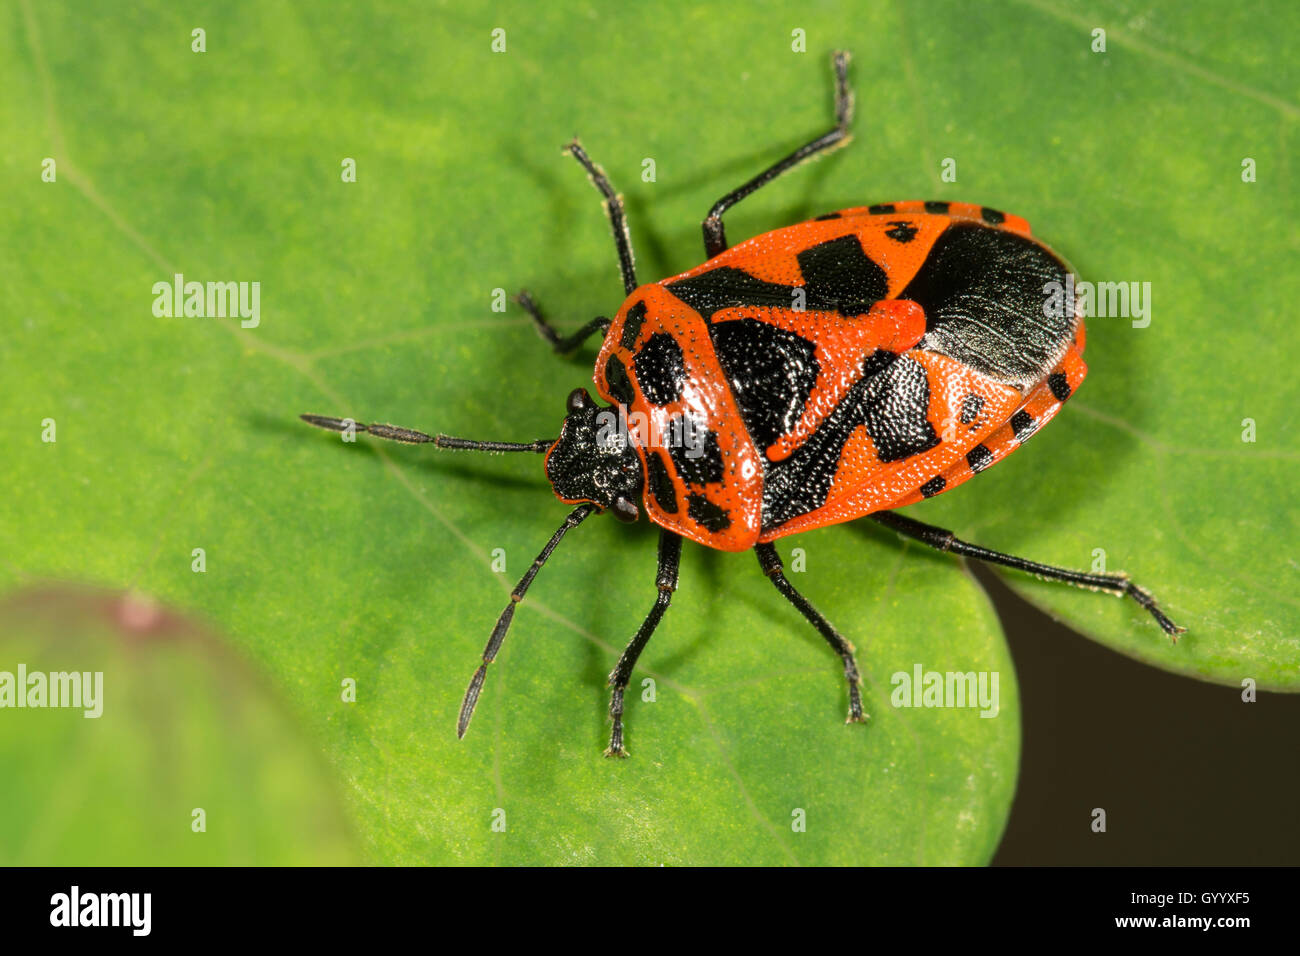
column 835, row 369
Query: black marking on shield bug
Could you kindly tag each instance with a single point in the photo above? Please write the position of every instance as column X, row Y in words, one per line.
column 827, row 215
column 839, row 273
column 880, row 209
column 971, row 406
column 727, row 288
column 901, row 231
column 632, row 325
column 933, row 486
column 1059, row 385
column 992, row 216
column 660, row 369
column 1024, row 425
column 838, row 277
column 936, row 206
column 877, row 361
column 659, row 483
column 896, row 407
column 620, row 386
column 771, row 371
column 979, row 458
column 890, row 401
column 982, row 292
column 695, row 451
column 706, row 514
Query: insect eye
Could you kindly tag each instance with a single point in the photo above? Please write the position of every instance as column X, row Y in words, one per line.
column 577, row 401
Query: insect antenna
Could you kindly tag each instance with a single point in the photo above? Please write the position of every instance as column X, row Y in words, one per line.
column 409, row 436
column 498, row 637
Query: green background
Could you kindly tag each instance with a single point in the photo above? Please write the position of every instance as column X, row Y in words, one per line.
column 328, row 561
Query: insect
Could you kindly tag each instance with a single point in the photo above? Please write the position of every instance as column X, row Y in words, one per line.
column 835, row 369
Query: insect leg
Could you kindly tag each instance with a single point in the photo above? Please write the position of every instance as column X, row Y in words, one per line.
column 943, row 540
column 771, row 564
column 561, row 343
column 613, row 209
column 670, row 554
column 715, row 234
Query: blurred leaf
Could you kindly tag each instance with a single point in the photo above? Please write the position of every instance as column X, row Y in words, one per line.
column 172, row 733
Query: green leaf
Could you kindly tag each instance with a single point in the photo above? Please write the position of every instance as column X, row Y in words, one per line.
column 167, row 751
column 328, row 561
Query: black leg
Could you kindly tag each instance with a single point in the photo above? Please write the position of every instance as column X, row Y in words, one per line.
column 670, row 554
column 561, row 343
column 613, row 209
column 947, row 541
column 770, row 562
column 715, row 234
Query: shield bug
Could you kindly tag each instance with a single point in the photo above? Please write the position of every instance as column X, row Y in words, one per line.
column 831, row 370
